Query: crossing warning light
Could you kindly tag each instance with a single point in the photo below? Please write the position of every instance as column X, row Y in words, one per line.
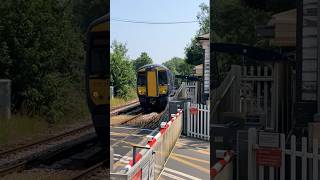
column 193, row 110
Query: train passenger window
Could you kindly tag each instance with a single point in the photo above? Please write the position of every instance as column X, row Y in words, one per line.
column 99, row 63
column 141, row 79
column 163, row 79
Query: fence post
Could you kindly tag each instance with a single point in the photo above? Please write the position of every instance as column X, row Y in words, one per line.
column 188, row 118
column 283, row 155
column 111, row 159
column 315, row 159
column 251, row 156
column 236, row 88
column 293, row 158
column 198, row 120
column 304, row 158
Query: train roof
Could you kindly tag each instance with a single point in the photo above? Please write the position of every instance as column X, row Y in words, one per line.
column 153, row 66
column 100, row 24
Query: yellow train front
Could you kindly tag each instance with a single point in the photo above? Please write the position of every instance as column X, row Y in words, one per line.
column 97, row 76
column 154, row 86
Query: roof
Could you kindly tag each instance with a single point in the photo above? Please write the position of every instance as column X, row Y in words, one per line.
column 286, row 17
column 204, row 37
column 284, row 24
column 101, row 20
column 152, row 66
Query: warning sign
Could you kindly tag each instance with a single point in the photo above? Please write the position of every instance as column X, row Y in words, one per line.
column 268, row 157
column 193, row 110
column 269, row 139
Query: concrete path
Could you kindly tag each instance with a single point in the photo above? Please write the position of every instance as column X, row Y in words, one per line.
column 190, row 159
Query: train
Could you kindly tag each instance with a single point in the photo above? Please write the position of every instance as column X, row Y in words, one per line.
column 155, row 86
column 97, row 72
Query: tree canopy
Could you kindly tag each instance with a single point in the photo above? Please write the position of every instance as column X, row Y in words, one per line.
column 142, row 60
column 193, row 51
column 42, row 53
column 178, row 66
column 123, row 76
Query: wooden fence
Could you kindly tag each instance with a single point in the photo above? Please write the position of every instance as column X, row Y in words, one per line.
column 198, row 121
column 297, row 162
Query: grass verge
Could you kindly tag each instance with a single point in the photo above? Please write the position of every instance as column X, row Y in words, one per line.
column 119, row 101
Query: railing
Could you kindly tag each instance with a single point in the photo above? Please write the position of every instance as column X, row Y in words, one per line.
column 149, row 162
column 226, row 98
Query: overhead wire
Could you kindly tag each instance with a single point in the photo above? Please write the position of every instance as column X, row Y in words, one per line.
column 150, row 22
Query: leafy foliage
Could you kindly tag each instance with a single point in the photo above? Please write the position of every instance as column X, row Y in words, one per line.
column 142, row 60
column 203, row 18
column 178, row 66
column 41, row 51
column 235, row 22
column 194, row 52
column 123, row 76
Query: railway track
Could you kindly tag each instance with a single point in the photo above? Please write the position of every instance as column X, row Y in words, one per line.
column 97, row 171
column 16, row 159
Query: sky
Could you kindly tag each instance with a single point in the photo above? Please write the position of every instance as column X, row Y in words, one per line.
column 161, row 42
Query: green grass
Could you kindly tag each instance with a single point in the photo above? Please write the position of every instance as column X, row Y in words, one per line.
column 118, row 101
column 20, row 126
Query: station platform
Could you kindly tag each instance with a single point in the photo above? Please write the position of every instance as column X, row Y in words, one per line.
column 190, row 159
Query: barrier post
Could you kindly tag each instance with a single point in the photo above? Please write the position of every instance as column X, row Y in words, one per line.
column 111, row 159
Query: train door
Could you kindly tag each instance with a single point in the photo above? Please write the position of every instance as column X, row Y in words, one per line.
column 152, row 83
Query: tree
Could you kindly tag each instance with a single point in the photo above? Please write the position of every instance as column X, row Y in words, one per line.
column 234, row 22
column 194, row 52
column 203, row 18
column 270, row 5
column 178, row 66
column 142, row 60
column 122, row 71
column 42, row 53
column 85, row 11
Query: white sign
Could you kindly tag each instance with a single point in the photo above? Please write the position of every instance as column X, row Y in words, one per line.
column 269, row 139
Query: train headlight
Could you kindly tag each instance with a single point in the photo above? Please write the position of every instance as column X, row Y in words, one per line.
column 95, row 94
column 163, row 89
column 141, row 90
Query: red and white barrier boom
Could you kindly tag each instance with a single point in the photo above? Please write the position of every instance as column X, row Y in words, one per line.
column 153, row 140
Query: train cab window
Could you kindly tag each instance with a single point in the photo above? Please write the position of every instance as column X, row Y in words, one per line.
column 163, row 79
column 141, row 80
column 99, row 63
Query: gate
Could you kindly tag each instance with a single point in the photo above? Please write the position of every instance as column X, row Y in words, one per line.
column 198, row 121
column 256, row 97
column 296, row 162
column 191, row 91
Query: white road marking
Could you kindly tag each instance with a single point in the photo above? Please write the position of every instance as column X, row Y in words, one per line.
column 119, row 157
column 181, row 173
column 172, row 176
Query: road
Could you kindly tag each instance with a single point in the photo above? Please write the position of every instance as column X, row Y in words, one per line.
column 190, row 159
column 121, row 140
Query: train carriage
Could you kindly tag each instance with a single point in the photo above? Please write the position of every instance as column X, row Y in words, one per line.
column 154, row 86
column 97, row 75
